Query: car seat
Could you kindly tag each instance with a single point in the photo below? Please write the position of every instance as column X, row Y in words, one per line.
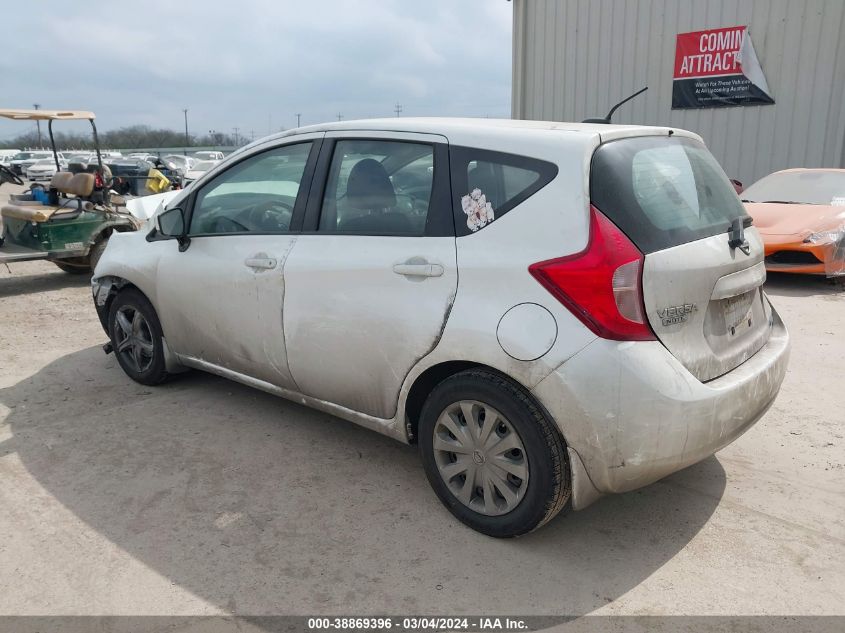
column 369, row 191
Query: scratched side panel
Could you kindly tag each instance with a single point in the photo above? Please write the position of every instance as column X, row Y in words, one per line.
column 354, row 327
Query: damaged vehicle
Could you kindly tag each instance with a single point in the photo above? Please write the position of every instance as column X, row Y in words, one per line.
column 552, row 312
column 800, row 214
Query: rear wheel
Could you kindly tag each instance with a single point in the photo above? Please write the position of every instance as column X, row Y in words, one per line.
column 492, row 456
column 72, row 268
column 82, row 265
column 96, row 252
column 136, row 337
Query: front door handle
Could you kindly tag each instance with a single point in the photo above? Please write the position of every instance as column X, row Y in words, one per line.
column 260, row 261
column 419, row 270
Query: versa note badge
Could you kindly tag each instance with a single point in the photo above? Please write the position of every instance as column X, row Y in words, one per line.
column 676, row 314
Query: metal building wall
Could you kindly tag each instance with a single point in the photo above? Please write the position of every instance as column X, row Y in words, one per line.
column 574, row 59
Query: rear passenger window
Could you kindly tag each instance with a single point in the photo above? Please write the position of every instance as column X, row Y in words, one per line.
column 378, row 187
column 486, row 184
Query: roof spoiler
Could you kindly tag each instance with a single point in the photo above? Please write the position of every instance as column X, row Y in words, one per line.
column 606, row 119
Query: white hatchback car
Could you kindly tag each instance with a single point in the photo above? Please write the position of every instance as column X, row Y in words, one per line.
column 552, row 311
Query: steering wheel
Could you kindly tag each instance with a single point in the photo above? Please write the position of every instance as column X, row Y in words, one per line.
column 269, row 213
column 228, row 225
column 7, row 175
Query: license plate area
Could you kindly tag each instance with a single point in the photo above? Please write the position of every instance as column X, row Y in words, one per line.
column 738, row 312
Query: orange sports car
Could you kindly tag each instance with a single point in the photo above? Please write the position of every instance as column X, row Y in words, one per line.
column 800, row 214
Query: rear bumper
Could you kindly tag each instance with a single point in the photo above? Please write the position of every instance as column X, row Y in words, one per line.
column 633, row 414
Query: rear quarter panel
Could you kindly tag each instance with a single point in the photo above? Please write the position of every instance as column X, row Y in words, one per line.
column 493, row 262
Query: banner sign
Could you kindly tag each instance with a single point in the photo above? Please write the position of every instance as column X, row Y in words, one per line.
column 718, row 68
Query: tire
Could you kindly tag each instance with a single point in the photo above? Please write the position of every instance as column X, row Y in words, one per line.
column 73, row 269
column 96, row 252
column 142, row 357
column 541, row 459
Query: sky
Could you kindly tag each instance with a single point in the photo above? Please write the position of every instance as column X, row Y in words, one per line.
column 254, row 64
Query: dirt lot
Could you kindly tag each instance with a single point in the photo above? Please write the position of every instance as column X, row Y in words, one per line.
column 204, row 497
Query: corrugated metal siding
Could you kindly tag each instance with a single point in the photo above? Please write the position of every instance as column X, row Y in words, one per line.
column 574, row 59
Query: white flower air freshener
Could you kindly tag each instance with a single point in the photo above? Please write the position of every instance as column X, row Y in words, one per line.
column 479, row 211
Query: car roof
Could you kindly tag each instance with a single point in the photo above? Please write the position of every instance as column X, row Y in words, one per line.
column 792, row 170
column 456, row 128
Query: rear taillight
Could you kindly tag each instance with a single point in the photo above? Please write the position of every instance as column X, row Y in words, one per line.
column 601, row 285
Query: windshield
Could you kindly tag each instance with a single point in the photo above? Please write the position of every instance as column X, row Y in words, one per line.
column 203, row 165
column 811, row 186
column 23, row 155
column 44, row 161
column 662, row 191
column 176, row 159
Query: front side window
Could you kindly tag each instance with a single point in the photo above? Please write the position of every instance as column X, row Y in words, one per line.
column 378, row 187
column 255, row 196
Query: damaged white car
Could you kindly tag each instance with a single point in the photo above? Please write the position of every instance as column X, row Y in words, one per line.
column 551, row 311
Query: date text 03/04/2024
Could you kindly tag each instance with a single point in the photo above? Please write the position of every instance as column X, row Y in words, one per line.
column 418, row 623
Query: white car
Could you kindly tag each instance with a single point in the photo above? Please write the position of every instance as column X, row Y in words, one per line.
column 23, row 160
column 143, row 156
column 44, row 169
column 183, row 163
column 551, row 311
column 198, row 170
column 78, row 157
column 208, row 155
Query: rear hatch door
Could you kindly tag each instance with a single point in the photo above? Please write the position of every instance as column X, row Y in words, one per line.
column 702, row 282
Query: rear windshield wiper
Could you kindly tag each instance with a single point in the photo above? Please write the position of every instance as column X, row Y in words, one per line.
column 736, row 233
column 777, row 202
column 745, row 220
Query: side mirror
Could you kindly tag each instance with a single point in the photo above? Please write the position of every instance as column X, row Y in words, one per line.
column 171, row 223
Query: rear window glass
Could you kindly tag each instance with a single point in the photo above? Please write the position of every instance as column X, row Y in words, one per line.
column 662, row 191
column 486, row 185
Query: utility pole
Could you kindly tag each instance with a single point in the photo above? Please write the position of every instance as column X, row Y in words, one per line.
column 187, row 139
column 398, row 109
column 339, row 116
column 38, row 123
column 237, row 138
column 252, row 135
column 298, row 115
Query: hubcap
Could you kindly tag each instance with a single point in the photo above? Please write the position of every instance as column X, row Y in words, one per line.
column 480, row 457
column 134, row 338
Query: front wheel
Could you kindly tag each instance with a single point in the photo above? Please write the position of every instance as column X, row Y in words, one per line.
column 136, row 337
column 493, row 457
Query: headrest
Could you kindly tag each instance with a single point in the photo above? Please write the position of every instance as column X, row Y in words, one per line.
column 81, row 185
column 369, row 187
column 61, row 180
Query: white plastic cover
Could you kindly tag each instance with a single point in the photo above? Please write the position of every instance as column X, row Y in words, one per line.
column 834, row 263
column 146, row 207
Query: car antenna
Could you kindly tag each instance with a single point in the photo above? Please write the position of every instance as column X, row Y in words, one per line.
column 614, row 108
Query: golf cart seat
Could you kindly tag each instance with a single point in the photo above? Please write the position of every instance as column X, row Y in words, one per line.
column 79, row 185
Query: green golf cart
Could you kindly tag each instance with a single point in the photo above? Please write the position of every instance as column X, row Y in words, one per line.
column 69, row 222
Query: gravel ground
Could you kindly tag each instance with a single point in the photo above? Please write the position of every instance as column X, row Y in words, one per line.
column 206, row 497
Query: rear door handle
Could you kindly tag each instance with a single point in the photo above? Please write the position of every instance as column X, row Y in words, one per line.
column 260, row 262
column 419, row 270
